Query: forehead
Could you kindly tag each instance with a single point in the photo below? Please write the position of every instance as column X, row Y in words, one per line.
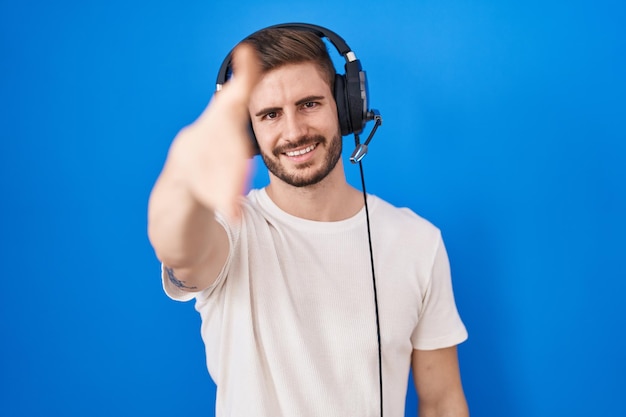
column 289, row 83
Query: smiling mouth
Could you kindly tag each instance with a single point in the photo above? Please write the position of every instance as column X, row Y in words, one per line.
column 300, row 152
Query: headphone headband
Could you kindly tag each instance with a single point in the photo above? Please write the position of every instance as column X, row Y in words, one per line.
column 337, row 41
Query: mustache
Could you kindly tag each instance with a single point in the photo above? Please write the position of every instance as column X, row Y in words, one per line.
column 300, row 142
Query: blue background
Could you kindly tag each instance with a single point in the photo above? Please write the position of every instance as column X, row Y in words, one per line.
column 503, row 125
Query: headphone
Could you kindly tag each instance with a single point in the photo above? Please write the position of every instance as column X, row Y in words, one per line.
column 351, row 93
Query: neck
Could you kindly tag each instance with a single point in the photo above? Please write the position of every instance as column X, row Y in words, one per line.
column 332, row 199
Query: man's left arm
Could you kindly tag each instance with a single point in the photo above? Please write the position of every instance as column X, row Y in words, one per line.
column 437, row 381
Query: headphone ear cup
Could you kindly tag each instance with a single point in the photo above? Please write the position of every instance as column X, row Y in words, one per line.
column 341, row 99
column 356, row 96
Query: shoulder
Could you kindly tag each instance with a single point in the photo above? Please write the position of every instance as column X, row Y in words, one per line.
column 256, row 201
column 401, row 219
column 401, row 233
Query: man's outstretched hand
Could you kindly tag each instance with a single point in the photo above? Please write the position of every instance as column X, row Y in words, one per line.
column 211, row 157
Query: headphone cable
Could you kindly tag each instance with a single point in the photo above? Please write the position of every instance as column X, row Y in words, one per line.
column 369, row 239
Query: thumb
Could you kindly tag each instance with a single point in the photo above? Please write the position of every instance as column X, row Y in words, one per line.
column 246, row 67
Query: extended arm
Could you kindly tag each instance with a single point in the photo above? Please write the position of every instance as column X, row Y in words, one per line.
column 206, row 170
column 438, row 383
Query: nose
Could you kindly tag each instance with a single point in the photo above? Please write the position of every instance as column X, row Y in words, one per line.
column 294, row 127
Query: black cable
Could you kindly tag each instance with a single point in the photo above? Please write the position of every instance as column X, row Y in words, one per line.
column 369, row 239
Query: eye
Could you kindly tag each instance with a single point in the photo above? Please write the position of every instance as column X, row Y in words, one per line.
column 310, row 104
column 271, row 115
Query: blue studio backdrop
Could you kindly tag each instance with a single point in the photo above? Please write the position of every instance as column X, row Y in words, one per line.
column 503, row 125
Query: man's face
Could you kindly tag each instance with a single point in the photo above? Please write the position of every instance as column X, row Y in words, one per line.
column 294, row 116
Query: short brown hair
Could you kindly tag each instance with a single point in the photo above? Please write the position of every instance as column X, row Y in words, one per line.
column 281, row 46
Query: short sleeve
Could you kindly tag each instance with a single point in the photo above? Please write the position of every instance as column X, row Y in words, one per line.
column 439, row 324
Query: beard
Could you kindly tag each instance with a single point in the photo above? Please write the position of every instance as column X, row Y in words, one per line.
column 303, row 176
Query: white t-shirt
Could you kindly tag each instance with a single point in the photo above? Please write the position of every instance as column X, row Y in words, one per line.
column 290, row 328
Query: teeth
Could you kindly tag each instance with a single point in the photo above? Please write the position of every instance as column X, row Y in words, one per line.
column 301, row 151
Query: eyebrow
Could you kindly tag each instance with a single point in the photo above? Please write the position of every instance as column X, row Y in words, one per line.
column 298, row 103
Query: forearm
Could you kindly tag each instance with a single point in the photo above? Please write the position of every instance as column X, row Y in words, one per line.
column 186, row 238
column 174, row 224
column 180, row 228
column 456, row 408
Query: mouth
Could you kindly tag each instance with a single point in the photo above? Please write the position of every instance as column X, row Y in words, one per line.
column 300, row 152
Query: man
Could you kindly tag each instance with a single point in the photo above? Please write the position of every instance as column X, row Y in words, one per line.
column 282, row 277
